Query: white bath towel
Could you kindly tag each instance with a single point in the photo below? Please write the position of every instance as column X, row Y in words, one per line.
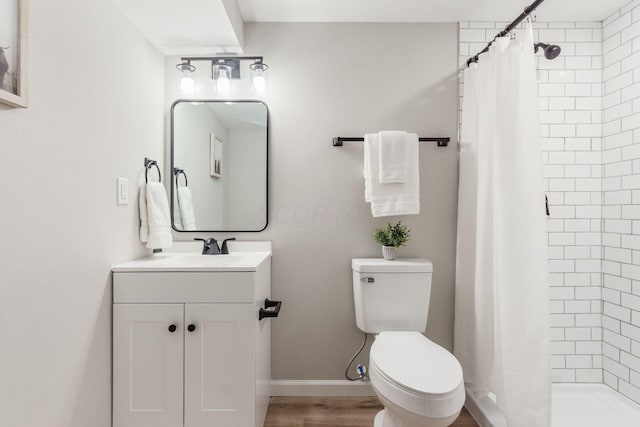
column 369, row 140
column 177, row 216
column 144, row 217
column 391, row 199
column 185, row 201
column 159, row 220
column 393, row 156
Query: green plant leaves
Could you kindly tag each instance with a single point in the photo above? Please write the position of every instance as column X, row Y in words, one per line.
column 392, row 235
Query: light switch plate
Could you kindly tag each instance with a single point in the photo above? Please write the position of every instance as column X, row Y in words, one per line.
column 122, row 189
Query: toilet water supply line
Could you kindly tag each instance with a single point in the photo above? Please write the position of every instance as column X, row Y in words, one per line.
column 361, row 369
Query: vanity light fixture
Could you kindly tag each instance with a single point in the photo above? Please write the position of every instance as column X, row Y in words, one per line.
column 222, row 77
column 259, row 76
column 224, row 69
column 187, row 85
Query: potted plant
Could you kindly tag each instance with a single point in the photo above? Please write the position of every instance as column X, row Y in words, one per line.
column 391, row 237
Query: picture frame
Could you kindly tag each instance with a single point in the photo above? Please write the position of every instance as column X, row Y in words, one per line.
column 13, row 52
column 215, row 156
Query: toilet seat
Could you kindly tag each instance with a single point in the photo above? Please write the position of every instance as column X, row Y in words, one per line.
column 417, row 374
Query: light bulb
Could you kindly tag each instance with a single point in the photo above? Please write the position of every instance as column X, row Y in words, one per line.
column 259, row 77
column 187, row 85
column 223, row 84
column 259, row 84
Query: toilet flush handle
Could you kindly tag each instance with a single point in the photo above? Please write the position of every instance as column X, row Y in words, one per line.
column 368, row 280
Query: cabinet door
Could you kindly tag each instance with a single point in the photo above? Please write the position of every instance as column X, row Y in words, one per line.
column 148, row 365
column 219, row 365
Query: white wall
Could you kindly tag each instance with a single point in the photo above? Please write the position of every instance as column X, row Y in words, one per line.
column 330, row 80
column 95, row 111
column 192, row 153
column 621, row 211
column 570, row 92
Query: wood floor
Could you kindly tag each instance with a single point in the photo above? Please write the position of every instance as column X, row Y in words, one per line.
column 332, row 411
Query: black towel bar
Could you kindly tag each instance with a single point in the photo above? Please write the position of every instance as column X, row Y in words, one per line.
column 338, row 140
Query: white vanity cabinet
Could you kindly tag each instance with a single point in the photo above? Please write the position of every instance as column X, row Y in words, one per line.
column 189, row 349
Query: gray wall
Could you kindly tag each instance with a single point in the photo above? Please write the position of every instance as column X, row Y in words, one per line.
column 95, row 110
column 347, row 79
column 245, row 166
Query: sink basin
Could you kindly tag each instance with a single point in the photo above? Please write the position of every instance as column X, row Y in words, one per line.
column 243, row 257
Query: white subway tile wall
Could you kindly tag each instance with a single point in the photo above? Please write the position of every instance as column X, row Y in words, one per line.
column 590, row 122
column 570, row 99
column 621, row 210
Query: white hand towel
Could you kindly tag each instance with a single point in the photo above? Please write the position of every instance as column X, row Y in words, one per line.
column 159, row 218
column 185, row 201
column 144, row 218
column 177, row 216
column 391, row 199
column 370, row 139
column 393, row 156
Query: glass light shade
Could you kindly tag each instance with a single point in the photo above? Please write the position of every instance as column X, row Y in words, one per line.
column 259, row 77
column 187, row 85
column 223, row 83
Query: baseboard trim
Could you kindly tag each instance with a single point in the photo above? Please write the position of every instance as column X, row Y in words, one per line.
column 320, row 388
column 484, row 411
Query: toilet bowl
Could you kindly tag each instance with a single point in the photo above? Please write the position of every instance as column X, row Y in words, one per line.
column 419, row 383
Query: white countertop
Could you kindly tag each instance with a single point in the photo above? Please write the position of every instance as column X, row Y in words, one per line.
column 244, row 256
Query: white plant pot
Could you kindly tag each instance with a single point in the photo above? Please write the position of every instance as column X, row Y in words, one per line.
column 389, row 252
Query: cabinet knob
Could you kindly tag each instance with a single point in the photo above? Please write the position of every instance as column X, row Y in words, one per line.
column 191, row 327
column 172, row 328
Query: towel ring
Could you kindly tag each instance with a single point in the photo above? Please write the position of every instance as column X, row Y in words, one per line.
column 147, row 164
column 177, row 172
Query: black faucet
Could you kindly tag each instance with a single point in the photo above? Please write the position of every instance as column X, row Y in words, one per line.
column 225, row 249
column 210, row 246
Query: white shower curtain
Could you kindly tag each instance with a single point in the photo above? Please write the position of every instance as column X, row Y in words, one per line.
column 502, row 306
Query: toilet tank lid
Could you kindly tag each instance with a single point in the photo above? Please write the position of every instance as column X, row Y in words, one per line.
column 398, row 265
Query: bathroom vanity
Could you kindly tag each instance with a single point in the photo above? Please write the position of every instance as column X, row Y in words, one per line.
column 189, row 345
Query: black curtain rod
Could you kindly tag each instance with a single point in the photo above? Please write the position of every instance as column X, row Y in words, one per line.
column 527, row 11
column 337, row 141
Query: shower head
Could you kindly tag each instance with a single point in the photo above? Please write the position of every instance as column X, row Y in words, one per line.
column 551, row 51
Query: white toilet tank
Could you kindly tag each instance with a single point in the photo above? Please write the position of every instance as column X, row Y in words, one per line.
column 391, row 295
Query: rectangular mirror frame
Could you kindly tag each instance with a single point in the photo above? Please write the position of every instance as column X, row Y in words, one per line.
column 172, row 148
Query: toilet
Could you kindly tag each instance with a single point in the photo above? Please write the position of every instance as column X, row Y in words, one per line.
column 419, row 383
